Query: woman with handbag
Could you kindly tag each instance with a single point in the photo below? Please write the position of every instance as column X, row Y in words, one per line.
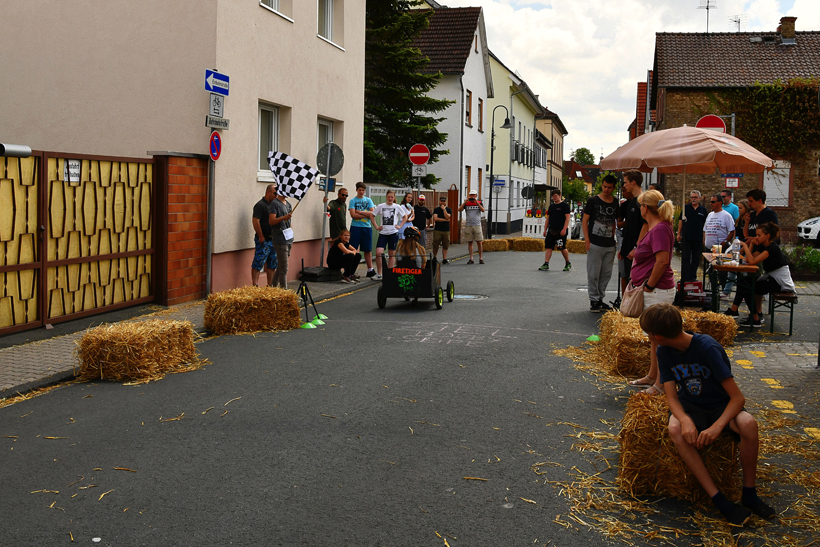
column 652, row 277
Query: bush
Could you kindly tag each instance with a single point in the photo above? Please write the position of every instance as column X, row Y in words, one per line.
column 805, row 260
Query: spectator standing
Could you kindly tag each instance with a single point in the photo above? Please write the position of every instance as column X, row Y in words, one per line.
column 652, row 270
column 407, row 203
column 719, row 228
column 634, row 227
column 282, row 236
column 759, row 215
column 556, row 225
column 263, row 254
column 598, row 223
column 393, row 218
column 337, row 209
column 728, row 206
column 472, row 225
column 441, row 229
column 361, row 234
column 690, row 236
column 421, row 219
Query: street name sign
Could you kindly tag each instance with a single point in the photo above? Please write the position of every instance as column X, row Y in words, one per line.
column 216, row 82
column 217, row 123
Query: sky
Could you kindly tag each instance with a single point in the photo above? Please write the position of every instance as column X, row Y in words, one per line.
column 584, row 58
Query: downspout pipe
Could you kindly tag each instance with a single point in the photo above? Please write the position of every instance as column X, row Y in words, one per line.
column 461, row 145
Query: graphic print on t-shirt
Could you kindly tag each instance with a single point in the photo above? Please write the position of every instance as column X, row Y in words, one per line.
column 388, row 217
column 604, row 223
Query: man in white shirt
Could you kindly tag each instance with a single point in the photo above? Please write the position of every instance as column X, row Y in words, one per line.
column 719, row 229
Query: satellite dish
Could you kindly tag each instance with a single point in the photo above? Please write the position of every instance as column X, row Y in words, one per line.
column 527, row 192
column 337, row 159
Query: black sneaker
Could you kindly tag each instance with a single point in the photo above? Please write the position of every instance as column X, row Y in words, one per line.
column 371, row 273
column 445, row 261
column 731, row 313
column 595, row 307
column 470, row 261
column 604, row 307
column 754, row 323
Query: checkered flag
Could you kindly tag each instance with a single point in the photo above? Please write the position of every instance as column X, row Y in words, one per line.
column 293, row 176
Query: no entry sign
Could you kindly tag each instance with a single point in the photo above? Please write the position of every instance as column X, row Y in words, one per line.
column 710, row 121
column 215, row 145
column 419, row 154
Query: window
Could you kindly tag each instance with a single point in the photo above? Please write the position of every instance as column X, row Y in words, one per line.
column 268, row 135
column 467, row 176
column 480, row 185
column 272, row 4
column 777, row 184
column 468, row 107
column 480, row 114
column 324, row 134
column 326, row 19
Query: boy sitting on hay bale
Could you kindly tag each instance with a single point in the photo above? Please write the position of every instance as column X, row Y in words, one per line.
column 704, row 401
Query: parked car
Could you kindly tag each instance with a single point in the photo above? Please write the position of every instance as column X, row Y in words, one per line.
column 809, row 230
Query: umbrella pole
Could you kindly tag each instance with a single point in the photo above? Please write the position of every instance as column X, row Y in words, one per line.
column 683, row 203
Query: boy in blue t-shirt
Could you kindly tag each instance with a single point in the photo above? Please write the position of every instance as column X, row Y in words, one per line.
column 361, row 235
column 704, row 401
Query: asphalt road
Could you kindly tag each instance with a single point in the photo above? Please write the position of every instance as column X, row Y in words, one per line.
column 357, row 433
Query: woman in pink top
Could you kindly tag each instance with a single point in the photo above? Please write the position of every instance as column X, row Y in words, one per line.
column 651, row 269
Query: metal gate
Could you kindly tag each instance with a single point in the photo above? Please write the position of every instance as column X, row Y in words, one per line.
column 76, row 237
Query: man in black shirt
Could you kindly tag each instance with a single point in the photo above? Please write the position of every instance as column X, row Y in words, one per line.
column 441, row 229
column 555, row 230
column 690, row 236
column 421, row 219
column 634, row 223
column 264, row 255
column 598, row 223
column 760, row 214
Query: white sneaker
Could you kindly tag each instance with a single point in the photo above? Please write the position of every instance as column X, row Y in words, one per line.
column 377, row 276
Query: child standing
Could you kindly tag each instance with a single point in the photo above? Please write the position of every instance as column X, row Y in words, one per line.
column 704, row 401
column 393, row 218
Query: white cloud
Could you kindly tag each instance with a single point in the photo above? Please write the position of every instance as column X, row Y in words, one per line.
column 585, row 58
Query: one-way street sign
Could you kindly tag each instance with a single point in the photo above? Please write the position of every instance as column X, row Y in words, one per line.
column 216, row 82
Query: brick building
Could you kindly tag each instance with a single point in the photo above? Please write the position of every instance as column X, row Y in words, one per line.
column 691, row 69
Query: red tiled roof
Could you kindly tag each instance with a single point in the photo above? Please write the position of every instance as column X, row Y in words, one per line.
column 640, row 118
column 734, row 59
column 448, row 40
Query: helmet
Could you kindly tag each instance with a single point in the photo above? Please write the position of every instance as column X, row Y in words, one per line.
column 412, row 231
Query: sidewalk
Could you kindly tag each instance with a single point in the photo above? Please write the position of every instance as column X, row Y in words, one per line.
column 38, row 364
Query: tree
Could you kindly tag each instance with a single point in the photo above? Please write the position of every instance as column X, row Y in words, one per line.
column 398, row 113
column 575, row 190
column 583, row 156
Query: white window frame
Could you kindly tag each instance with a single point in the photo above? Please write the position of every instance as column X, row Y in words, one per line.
column 327, row 31
column 273, row 135
column 777, row 184
column 329, row 125
column 272, row 4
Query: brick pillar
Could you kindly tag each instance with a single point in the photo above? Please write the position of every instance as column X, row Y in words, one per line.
column 787, row 27
column 182, row 254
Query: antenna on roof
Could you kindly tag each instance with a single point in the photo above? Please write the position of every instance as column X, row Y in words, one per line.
column 707, row 5
column 737, row 22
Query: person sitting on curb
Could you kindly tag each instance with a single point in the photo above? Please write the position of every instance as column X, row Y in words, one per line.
column 343, row 256
column 704, row 401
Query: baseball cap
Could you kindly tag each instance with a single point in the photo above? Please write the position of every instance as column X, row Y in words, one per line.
column 473, row 192
column 421, row 196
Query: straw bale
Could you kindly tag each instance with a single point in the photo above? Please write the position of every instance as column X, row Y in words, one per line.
column 719, row 326
column 527, row 244
column 137, row 351
column 649, row 461
column 576, row 246
column 252, row 309
column 625, row 344
column 495, row 245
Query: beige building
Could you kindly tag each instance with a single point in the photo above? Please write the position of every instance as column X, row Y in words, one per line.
column 123, row 79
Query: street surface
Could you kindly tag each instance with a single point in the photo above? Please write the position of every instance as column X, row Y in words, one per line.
column 405, row 426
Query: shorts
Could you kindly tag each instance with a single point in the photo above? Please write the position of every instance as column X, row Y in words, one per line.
column 705, row 417
column 441, row 238
column 361, row 238
column 473, row 233
column 552, row 241
column 264, row 255
column 389, row 241
column 658, row 296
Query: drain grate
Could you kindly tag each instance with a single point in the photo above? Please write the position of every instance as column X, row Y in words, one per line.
column 470, row 297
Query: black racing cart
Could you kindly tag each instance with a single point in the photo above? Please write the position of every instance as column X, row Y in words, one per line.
column 408, row 281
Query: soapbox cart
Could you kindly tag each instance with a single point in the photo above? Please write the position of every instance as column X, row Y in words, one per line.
column 408, row 281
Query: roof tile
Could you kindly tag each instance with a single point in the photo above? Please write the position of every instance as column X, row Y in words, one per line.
column 449, row 39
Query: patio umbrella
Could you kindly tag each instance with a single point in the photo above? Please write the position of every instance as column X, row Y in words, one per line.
column 687, row 150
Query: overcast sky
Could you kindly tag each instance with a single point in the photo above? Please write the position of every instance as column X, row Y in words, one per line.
column 585, row 57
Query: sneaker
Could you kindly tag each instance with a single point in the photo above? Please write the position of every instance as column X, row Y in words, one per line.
column 356, row 277
column 347, row 280
column 755, row 324
column 731, row 313
column 759, row 508
column 604, row 306
column 481, row 261
column 371, row 273
column 595, row 307
column 377, row 276
column 545, row 267
column 445, row 261
column 470, row 261
column 568, row 266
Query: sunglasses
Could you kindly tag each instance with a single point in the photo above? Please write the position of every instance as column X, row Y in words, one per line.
column 343, row 195
column 713, row 201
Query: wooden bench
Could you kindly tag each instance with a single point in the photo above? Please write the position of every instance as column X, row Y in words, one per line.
column 782, row 300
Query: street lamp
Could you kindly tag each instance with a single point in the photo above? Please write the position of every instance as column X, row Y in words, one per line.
column 506, row 125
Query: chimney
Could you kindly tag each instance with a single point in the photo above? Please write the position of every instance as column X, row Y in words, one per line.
column 787, row 27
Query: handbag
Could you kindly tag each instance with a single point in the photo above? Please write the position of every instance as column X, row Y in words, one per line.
column 632, row 302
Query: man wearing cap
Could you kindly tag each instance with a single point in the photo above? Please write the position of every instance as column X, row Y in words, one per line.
column 472, row 225
column 337, row 211
column 421, row 219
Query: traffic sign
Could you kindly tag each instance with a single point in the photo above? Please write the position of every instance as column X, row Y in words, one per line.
column 732, row 182
column 215, row 145
column 420, row 170
column 217, row 123
column 332, row 152
column 216, row 82
column 217, row 105
column 710, row 121
column 419, row 154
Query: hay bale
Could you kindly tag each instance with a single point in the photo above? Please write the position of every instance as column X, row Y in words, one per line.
column 625, row 344
column 650, row 464
column 527, row 244
column 719, row 326
column 137, row 351
column 495, row 245
column 252, row 309
column 576, row 246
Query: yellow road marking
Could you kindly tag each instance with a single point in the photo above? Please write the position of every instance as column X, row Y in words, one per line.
column 785, row 407
column 813, row 432
column 745, row 363
column 774, row 384
column 758, row 353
